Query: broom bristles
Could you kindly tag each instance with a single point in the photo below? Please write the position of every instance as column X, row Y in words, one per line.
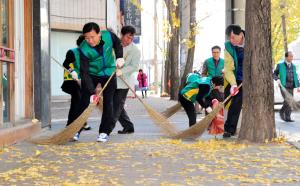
column 66, row 134
column 289, row 99
column 161, row 121
column 171, row 110
column 200, row 127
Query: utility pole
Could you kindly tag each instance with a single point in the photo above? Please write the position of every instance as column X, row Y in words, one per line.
column 155, row 49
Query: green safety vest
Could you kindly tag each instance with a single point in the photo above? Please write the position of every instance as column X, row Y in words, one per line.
column 191, row 90
column 100, row 65
column 282, row 74
column 75, row 65
column 212, row 70
column 230, row 49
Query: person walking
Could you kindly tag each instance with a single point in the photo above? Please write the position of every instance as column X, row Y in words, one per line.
column 143, row 83
column 286, row 76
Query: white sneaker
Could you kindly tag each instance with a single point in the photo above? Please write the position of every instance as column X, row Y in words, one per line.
column 76, row 137
column 102, row 137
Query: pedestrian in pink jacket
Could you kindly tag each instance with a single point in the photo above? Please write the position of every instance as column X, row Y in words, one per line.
column 143, row 83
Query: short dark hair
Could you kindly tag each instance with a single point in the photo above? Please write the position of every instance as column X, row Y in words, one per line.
column 236, row 29
column 218, row 80
column 287, row 53
column 79, row 40
column 127, row 29
column 140, row 70
column 88, row 27
column 216, row 47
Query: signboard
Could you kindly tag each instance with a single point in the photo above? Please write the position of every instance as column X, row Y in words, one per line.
column 132, row 15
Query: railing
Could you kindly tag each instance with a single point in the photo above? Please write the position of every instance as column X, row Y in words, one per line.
column 7, row 54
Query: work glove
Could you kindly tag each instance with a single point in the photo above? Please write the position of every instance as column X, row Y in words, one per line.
column 119, row 72
column 208, row 110
column 74, row 75
column 278, row 81
column 94, row 99
column 214, row 101
column 234, row 90
column 120, row 62
column 298, row 89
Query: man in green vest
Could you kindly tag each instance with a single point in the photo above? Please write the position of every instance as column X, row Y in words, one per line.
column 213, row 66
column 286, row 76
column 233, row 76
column 101, row 54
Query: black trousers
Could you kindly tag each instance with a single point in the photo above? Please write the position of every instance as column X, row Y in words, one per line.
column 234, row 110
column 286, row 110
column 107, row 120
column 189, row 109
column 74, row 107
column 120, row 113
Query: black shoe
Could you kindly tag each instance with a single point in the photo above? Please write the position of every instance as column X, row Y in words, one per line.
column 87, row 127
column 282, row 116
column 226, row 135
column 289, row 120
column 126, row 131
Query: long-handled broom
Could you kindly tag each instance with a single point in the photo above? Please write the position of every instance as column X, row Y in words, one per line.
column 171, row 110
column 200, row 127
column 66, row 134
column 158, row 118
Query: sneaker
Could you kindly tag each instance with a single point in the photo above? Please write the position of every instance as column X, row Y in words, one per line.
column 76, row 137
column 102, row 137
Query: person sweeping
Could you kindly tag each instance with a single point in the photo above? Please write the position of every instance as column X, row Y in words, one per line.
column 197, row 89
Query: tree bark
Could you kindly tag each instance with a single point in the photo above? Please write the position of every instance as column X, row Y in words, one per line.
column 191, row 51
column 258, row 123
column 283, row 24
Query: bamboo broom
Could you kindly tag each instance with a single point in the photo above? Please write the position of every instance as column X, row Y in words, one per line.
column 200, row 127
column 66, row 134
column 160, row 120
column 289, row 98
column 171, row 110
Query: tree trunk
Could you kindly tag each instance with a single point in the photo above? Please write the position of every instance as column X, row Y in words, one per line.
column 173, row 52
column 190, row 58
column 283, row 24
column 166, row 72
column 258, row 122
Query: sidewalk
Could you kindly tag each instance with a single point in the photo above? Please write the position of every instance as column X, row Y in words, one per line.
column 147, row 157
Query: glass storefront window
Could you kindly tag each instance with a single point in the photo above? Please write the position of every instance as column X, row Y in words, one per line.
column 3, row 22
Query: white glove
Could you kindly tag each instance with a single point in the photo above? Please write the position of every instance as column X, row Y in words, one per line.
column 74, row 75
column 120, row 62
column 208, row 109
column 278, row 81
column 234, row 90
column 119, row 72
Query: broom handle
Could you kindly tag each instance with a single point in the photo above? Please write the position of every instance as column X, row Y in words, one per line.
column 228, row 97
column 111, row 76
column 121, row 77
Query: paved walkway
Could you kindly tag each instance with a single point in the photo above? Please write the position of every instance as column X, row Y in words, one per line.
column 149, row 158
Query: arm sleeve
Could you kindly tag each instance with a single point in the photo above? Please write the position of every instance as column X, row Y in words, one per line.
column 229, row 69
column 276, row 72
column 204, row 69
column 132, row 62
column 86, row 80
column 117, row 45
column 70, row 58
